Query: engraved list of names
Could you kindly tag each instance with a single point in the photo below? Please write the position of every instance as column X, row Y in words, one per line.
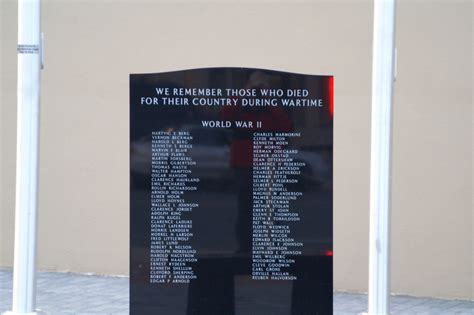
column 171, row 252
column 274, row 169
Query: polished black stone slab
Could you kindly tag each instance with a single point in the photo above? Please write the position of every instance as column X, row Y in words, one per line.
column 223, row 123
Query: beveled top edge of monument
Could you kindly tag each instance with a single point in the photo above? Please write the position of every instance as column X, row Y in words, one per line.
column 231, row 68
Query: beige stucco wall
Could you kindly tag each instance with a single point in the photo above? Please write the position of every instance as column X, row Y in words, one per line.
column 92, row 46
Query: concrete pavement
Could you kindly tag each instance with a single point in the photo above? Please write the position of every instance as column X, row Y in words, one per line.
column 70, row 293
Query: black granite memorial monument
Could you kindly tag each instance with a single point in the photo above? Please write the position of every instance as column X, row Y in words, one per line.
column 231, row 192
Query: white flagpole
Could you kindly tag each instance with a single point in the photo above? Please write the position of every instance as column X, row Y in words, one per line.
column 383, row 69
column 29, row 68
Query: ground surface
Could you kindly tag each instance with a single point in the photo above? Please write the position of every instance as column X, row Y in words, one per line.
column 68, row 293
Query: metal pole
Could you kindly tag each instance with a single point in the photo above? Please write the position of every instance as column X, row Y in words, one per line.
column 29, row 68
column 383, row 66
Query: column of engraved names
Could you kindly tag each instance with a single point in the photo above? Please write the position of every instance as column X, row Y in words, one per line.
column 274, row 169
column 170, row 249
